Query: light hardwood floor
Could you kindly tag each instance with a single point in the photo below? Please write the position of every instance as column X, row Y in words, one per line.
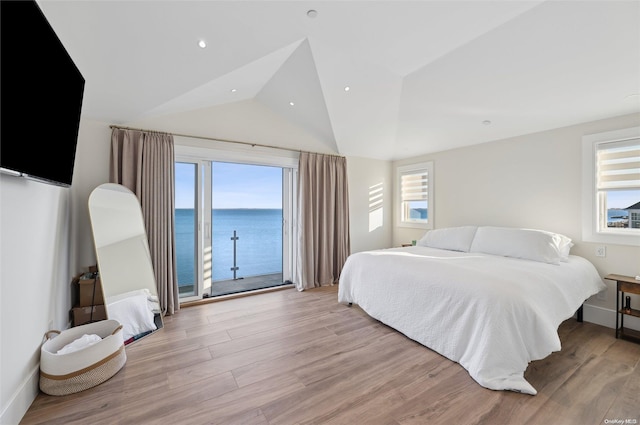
column 291, row 357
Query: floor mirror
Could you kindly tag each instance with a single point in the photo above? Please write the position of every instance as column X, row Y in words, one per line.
column 124, row 262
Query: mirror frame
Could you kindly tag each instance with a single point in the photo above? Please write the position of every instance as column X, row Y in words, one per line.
column 124, row 261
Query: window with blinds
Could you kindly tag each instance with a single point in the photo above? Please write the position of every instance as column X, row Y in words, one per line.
column 618, row 165
column 618, row 185
column 415, row 186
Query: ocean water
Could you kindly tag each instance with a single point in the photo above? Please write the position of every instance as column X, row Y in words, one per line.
column 258, row 248
column 614, row 215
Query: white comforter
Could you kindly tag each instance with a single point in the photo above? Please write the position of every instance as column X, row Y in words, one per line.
column 491, row 314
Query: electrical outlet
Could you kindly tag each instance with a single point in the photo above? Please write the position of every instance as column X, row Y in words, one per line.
column 601, row 251
column 602, row 295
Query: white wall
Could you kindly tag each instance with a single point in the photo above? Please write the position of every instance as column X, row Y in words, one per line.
column 91, row 170
column 45, row 241
column 244, row 121
column 529, row 181
column 34, row 284
column 370, row 203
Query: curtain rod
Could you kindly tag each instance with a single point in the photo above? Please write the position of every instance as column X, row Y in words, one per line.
column 222, row 140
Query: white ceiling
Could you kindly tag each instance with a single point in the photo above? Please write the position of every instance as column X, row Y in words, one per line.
column 423, row 75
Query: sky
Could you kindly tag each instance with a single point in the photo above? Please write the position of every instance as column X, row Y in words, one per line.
column 622, row 198
column 234, row 186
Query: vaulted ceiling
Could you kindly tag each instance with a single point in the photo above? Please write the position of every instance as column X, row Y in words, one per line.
column 422, row 76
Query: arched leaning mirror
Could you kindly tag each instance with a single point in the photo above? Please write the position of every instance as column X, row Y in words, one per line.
column 124, row 262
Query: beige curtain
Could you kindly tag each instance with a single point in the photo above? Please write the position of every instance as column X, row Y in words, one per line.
column 323, row 220
column 144, row 163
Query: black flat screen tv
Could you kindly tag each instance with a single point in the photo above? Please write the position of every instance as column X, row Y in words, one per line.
column 41, row 92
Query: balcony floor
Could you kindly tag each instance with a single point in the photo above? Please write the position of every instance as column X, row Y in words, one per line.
column 250, row 283
column 245, row 284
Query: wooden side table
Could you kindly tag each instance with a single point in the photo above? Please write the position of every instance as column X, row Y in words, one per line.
column 625, row 284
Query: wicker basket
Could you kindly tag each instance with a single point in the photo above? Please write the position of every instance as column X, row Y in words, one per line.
column 63, row 374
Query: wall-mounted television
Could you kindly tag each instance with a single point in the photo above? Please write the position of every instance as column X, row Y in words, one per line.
column 41, row 92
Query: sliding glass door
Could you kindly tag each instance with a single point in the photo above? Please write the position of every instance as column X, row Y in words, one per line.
column 186, row 228
column 234, row 226
column 246, row 227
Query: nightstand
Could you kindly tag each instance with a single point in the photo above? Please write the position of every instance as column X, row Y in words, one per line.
column 625, row 284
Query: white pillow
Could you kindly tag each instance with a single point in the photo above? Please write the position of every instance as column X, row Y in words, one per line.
column 451, row 238
column 565, row 247
column 528, row 244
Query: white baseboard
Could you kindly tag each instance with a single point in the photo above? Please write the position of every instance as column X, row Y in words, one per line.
column 607, row 317
column 19, row 404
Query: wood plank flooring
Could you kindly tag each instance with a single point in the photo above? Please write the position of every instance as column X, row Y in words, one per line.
column 291, row 357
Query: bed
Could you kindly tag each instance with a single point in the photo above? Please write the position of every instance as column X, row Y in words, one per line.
column 488, row 298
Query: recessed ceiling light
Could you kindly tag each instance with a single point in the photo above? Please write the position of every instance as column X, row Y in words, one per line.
column 202, row 44
column 291, row 103
column 347, row 88
column 312, row 13
column 486, row 122
column 234, row 90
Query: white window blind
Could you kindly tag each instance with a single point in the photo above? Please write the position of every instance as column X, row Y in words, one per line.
column 618, row 165
column 415, row 186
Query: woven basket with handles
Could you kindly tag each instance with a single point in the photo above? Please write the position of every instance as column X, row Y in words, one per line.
column 63, row 374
